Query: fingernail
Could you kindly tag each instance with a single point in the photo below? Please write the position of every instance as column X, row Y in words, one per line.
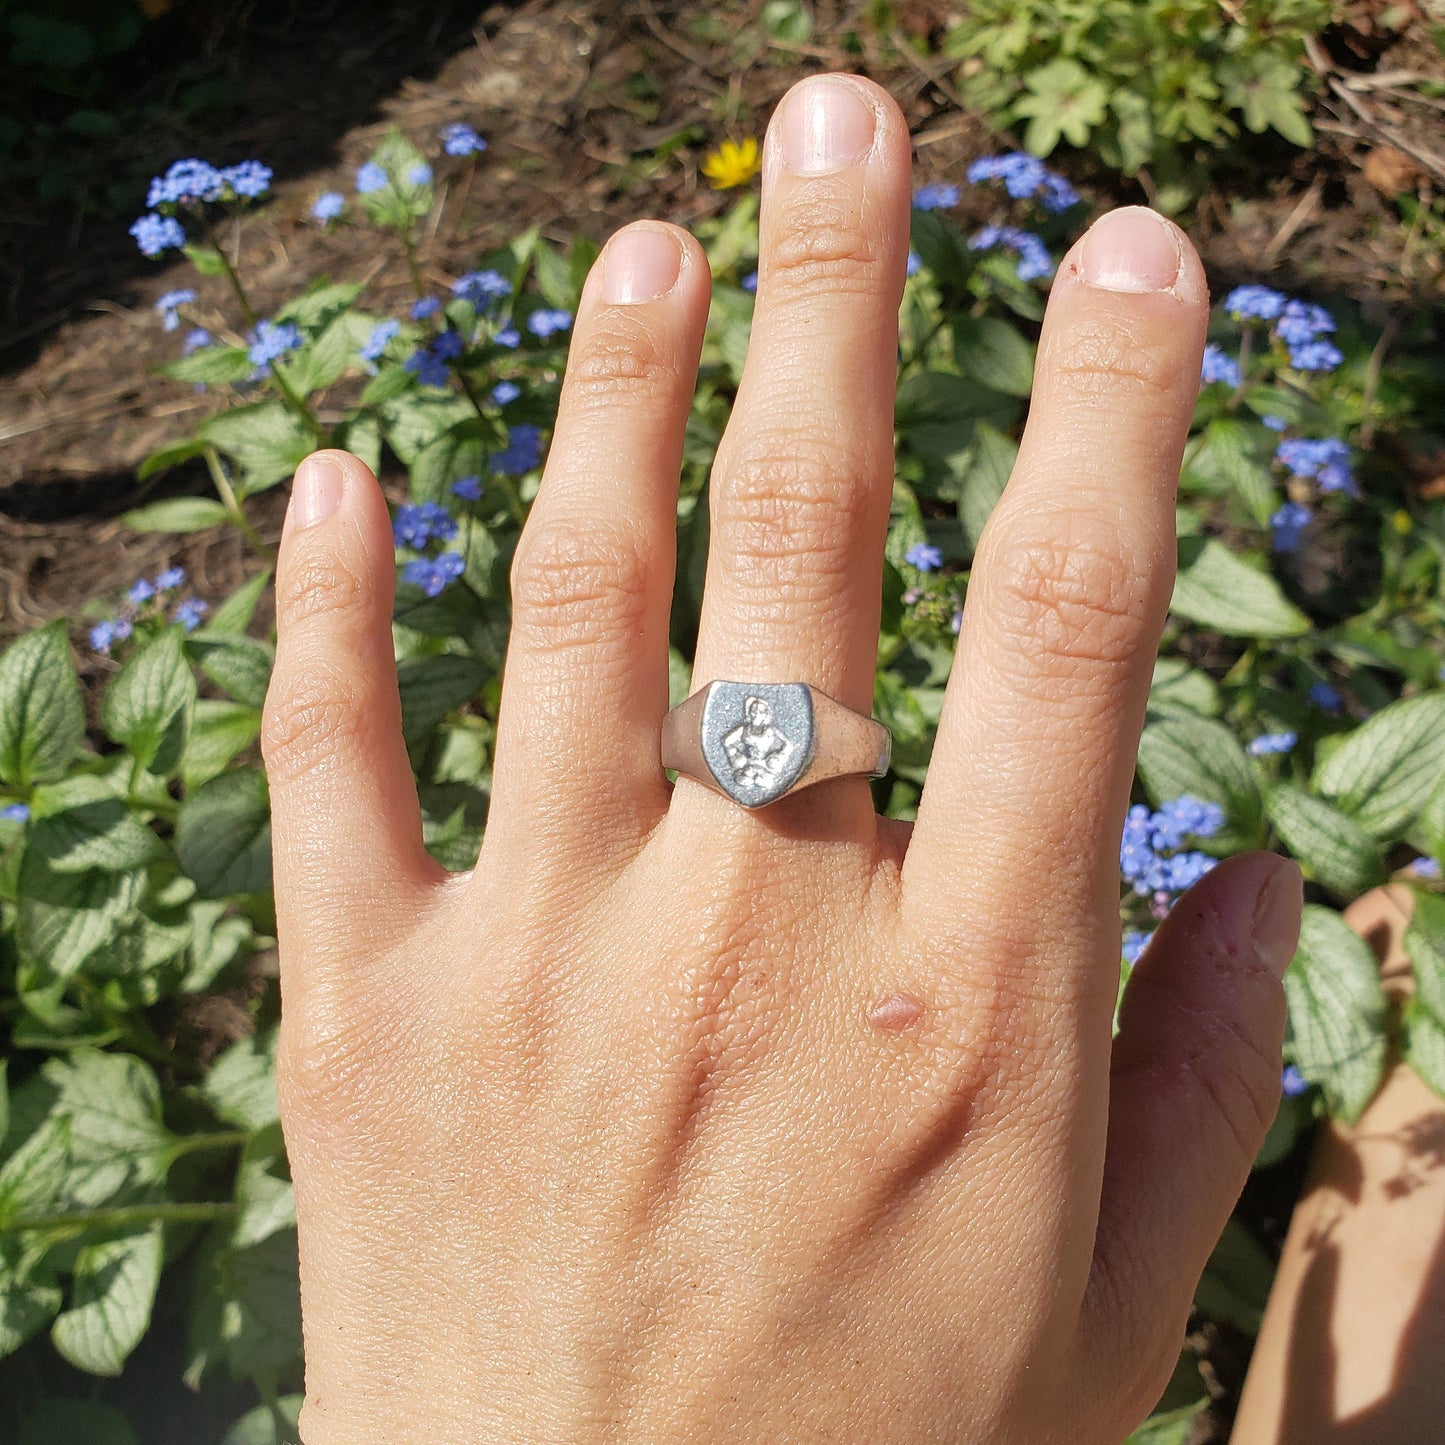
column 640, row 265
column 1131, row 250
column 825, row 124
column 1275, row 928
column 316, row 492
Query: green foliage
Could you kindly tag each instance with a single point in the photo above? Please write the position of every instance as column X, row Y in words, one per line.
column 134, row 855
column 1142, row 82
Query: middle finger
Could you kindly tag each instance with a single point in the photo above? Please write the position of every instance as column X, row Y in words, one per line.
column 804, row 475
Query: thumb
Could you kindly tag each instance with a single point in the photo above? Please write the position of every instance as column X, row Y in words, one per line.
column 1194, row 1087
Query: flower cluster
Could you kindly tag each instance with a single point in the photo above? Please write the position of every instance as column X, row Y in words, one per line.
column 147, row 598
column 1325, row 461
column 459, row 139
column 1034, row 258
column 431, row 363
column 522, row 452
column 1025, row 177
column 270, row 341
column 169, row 307
column 1300, row 325
column 377, row 340
column 548, row 321
column 935, row 196
column 193, row 183
column 1154, row 860
column 481, row 288
column 1219, row 366
column 1267, row 743
column 434, row 574
column 417, row 526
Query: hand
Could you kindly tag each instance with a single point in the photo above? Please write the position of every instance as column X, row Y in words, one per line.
column 676, row 1122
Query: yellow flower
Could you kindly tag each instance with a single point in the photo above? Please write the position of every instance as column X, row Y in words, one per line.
column 732, row 164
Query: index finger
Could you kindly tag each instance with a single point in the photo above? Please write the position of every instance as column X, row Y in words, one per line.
column 1018, row 829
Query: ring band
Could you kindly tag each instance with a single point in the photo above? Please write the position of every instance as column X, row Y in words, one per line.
column 756, row 742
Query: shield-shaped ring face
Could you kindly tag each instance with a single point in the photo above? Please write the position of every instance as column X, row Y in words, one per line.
column 757, row 738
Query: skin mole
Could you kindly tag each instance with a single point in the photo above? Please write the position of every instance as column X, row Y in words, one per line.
column 896, row 1011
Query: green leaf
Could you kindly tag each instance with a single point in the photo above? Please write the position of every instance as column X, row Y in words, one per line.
column 1337, row 1012
column 32, row 1177
column 990, row 462
column 1173, row 1427
column 1176, row 687
column 246, row 1306
column 212, row 365
column 1425, row 943
column 147, row 707
column 265, row 1202
column 241, row 1085
column 1225, row 454
column 1423, row 1045
column 266, row 440
column 42, row 721
column 76, row 1422
column 205, row 260
column 258, row 1426
column 992, row 351
column 63, row 918
column 168, row 457
column 234, row 615
column 96, row 830
column 177, row 514
column 1222, row 591
column 331, row 355
column 1236, row 1281
column 432, row 687
column 217, row 938
column 315, row 309
column 29, row 1296
column 238, row 664
column 938, row 411
column 219, row 731
column 111, row 1300
column 223, row 835
column 1187, row 754
column 1383, row 772
column 1334, row 850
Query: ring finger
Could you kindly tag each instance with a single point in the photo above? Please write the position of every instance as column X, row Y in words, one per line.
column 801, row 487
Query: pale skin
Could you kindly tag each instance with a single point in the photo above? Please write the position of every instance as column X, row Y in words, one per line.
column 678, row 1122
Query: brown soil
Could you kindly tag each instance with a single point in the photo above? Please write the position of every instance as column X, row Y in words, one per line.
column 596, row 113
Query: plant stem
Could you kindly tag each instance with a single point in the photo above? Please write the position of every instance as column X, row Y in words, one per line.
column 196, row 1143
column 124, row 1216
column 247, row 310
column 232, row 504
column 408, row 245
column 509, row 485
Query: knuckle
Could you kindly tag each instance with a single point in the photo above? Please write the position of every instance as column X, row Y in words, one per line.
column 822, row 240
column 318, row 583
column 307, row 719
column 1240, row 1075
column 579, row 586
column 1071, row 590
column 622, row 358
column 789, row 520
column 1106, row 356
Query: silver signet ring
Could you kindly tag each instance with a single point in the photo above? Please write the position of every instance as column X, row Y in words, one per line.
column 756, row 742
